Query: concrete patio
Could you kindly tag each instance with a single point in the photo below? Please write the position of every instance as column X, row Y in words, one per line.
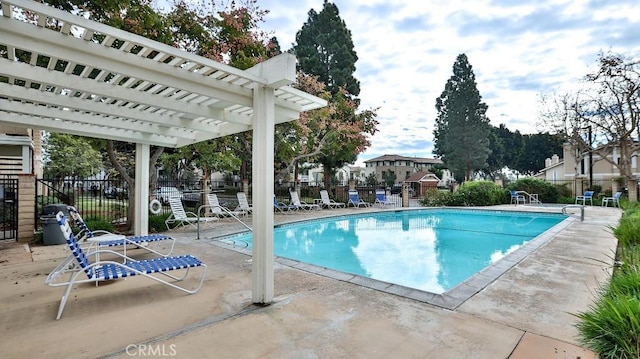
column 526, row 313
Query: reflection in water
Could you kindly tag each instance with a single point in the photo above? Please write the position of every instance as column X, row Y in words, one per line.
column 432, row 250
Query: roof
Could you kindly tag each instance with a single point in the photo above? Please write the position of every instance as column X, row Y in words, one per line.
column 422, row 176
column 404, row 158
column 64, row 73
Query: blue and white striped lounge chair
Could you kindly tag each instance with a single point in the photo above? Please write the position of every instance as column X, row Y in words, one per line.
column 100, row 238
column 381, row 198
column 354, row 199
column 68, row 274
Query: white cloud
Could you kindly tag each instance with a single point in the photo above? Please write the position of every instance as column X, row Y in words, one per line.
column 518, row 50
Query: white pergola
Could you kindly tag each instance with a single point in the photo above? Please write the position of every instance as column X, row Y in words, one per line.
column 55, row 76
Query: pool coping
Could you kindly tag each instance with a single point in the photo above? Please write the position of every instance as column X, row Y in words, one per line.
column 450, row 299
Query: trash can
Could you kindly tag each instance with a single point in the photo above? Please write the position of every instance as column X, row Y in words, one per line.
column 51, row 233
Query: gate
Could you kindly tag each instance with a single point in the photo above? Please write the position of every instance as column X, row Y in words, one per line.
column 8, row 208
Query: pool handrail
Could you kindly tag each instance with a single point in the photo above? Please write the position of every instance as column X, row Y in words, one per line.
column 564, row 210
column 532, row 197
column 229, row 213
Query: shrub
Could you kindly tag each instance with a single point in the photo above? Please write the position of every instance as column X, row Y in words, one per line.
column 479, row 193
column 611, row 327
column 437, row 198
column 547, row 192
column 156, row 223
column 99, row 223
column 628, row 258
column 563, row 190
column 628, row 230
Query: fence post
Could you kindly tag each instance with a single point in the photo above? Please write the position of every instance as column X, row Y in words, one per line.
column 26, row 207
column 405, row 194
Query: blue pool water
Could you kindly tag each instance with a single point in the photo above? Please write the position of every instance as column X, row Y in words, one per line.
column 432, row 250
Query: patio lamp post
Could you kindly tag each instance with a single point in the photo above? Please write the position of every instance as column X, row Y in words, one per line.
column 590, row 134
column 590, row 157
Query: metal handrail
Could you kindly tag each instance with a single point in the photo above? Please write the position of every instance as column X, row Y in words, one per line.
column 224, row 209
column 564, row 210
column 533, row 198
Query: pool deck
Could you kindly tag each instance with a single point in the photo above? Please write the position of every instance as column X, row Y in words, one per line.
column 525, row 313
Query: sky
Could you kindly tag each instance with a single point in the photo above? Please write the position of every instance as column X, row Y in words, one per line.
column 518, row 49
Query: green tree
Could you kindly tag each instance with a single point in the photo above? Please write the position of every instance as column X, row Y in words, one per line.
column 389, row 178
column 70, row 156
column 371, row 180
column 229, row 36
column 462, row 127
column 135, row 16
column 495, row 161
column 537, row 148
column 512, row 146
column 324, row 48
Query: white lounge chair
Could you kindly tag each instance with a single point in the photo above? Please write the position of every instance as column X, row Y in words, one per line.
column 243, row 203
column 180, row 217
column 215, row 209
column 100, row 238
column 295, row 200
column 79, row 269
column 381, row 198
column 354, row 199
column 328, row 202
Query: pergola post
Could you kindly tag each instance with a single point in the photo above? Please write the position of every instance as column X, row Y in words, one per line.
column 141, row 223
column 262, row 193
column 278, row 71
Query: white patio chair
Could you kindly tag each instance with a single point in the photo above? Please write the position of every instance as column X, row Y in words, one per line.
column 517, row 198
column 295, row 200
column 587, row 196
column 615, row 200
column 243, row 203
column 328, row 202
column 180, row 217
column 217, row 210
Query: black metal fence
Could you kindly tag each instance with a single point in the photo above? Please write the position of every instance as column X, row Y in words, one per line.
column 108, row 199
column 8, row 208
column 104, row 199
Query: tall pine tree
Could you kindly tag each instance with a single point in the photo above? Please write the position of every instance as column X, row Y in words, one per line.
column 462, row 127
column 324, row 48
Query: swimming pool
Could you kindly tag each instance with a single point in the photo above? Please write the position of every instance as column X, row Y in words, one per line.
column 431, row 250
